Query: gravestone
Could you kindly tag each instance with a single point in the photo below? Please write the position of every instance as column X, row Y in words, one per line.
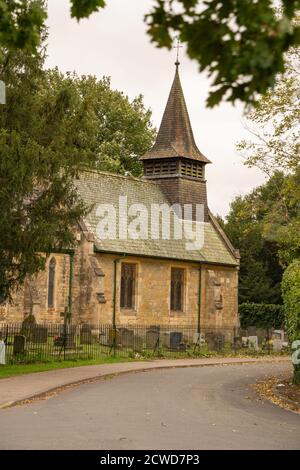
column 198, row 338
column 253, row 342
column 237, row 342
column 2, row 352
column 19, row 344
column 251, row 330
column 39, row 334
column 152, row 339
column 165, row 339
column 175, row 339
column 28, row 326
column 85, row 334
column 126, row 337
column 215, row 341
column 277, row 344
column 261, row 335
column 137, row 343
column 66, row 338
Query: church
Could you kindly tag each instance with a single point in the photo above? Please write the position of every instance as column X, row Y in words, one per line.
column 141, row 280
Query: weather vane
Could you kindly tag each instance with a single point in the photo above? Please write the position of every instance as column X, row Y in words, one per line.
column 178, row 46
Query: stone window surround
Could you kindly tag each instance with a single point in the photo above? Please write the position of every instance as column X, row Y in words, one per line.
column 51, row 259
column 175, row 313
column 124, row 310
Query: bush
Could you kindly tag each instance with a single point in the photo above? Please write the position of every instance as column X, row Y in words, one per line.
column 261, row 315
column 291, row 297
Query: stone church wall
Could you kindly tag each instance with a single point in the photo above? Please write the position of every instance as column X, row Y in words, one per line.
column 218, row 294
column 93, row 286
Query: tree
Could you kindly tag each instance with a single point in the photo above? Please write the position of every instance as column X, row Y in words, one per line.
column 240, row 43
column 260, row 269
column 275, row 146
column 274, row 124
column 51, row 127
column 291, row 297
column 116, row 130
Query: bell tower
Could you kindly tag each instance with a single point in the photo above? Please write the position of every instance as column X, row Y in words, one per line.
column 175, row 163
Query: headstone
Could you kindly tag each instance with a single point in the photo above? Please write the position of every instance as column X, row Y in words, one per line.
column 175, row 339
column 261, row 336
column 137, row 343
column 253, row 342
column 215, row 341
column 85, row 334
column 104, row 338
column 67, row 337
column 237, row 342
column 39, row 334
column 152, row 339
column 278, row 334
column 277, row 345
column 126, row 337
column 165, row 339
column 28, row 326
column 251, row 330
column 19, row 344
column 2, row 352
column 198, row 338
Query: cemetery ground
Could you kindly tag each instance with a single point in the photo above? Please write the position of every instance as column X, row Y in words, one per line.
column 48, row 363
column 212, row 407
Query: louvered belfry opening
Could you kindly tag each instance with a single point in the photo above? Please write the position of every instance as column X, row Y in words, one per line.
column 175, row 163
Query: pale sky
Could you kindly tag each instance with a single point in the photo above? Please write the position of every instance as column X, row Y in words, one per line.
column 114, row 43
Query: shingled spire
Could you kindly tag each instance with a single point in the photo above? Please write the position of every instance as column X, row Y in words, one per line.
column 175, row 162
column 175, row 137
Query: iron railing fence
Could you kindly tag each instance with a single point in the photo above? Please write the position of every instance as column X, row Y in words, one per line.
column 48, row 342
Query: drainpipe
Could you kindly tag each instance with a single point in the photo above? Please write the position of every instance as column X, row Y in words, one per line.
column 70, row 287
column 116, row 261
column 199, row 302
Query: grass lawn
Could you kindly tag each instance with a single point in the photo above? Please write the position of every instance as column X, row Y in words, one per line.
column 16, row 369
column 10, row 370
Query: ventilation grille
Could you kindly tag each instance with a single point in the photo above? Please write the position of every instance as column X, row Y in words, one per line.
column 167, row 168
column 161, row 169
column 192, row 169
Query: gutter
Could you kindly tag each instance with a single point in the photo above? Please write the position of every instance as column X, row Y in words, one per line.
column 199, row 302
column 203, row 262
column 70, row 286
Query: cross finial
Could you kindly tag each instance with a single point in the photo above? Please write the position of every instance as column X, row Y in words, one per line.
column 178, row 46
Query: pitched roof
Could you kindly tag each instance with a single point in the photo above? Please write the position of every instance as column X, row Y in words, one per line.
column 175, row 137
column 104, row 188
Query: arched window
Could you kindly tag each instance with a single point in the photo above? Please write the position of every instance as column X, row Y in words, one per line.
column 51, row 282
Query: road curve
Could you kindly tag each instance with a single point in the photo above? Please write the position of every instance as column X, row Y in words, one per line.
column 194, row 408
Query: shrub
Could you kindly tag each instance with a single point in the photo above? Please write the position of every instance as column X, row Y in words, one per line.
column 261, row 315
column 291, row 297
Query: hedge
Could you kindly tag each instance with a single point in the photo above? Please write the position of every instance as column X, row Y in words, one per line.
column 291, row 298
column 261, row 315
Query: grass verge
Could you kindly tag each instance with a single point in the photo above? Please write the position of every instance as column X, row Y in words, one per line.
column 10, row 370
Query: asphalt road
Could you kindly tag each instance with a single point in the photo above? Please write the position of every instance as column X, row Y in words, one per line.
column 192, row 408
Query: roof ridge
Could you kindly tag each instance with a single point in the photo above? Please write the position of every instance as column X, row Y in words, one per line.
column 116, row 175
